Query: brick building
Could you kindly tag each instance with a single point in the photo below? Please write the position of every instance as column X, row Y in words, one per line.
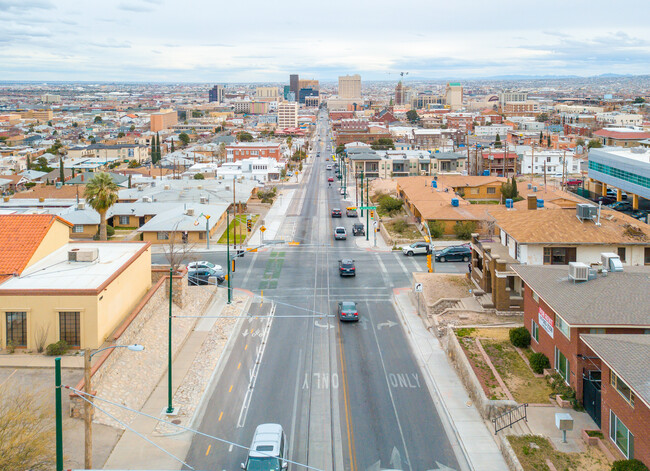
column 625, row 396
column 559, row 310
column 246, row 150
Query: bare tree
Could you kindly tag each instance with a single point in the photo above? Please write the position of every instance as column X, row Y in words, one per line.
column 178, row 249
column 26, row 430
column 40, row 337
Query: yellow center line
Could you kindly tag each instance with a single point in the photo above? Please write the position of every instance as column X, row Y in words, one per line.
column 220, row 415
column 348, row 420
column 251, row 330
column 230, row 390
column 246, row 347
column 207, row 452
column 239, row 365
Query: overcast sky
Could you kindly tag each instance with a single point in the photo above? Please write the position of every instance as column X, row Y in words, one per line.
column 264, row 41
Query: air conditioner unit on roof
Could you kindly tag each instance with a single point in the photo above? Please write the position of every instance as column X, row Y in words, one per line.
column 586, row 211
column 578, row 271
column 611, row 261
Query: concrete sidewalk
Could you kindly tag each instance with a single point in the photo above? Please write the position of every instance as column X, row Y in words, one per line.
column 473, row 443
column 132, row 451
column 40, row 360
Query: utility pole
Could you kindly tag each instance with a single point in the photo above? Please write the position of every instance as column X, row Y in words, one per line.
column 367, row 211
column 59, row 414
column 234, row 210
column 170, row 408
column 362, row 195
column 563, row 170
column 88, row 413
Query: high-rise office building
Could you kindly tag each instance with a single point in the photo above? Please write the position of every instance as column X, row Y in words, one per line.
column 294, row 84
column 287, row 115
column 454, row 95
column 266, row 93
column 400, row 94
column 311, row 83
column 216, row 94
column 350, row 86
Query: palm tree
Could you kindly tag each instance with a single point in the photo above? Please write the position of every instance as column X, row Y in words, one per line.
column 290, row 144
column 101, row 194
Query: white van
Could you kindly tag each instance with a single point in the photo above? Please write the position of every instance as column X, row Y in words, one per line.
column 268, row 450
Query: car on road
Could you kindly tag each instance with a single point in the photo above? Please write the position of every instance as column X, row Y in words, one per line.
column 417, row 248
column 346, row 267
column 340, row 233
column 201, row 276
column 329, row 167
column 330, row 179
column 358, row 229
column 454, row 253
column 336, row 213
column 347, row 311
column 343, row 191
column 351, row 212
column 268, row 449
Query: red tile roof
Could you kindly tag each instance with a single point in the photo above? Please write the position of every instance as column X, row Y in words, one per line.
column 622, row 134
column 20, row 236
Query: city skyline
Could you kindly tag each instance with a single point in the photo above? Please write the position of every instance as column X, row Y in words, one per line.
column 145, row 40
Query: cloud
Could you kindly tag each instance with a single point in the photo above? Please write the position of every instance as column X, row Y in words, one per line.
column 25, row 5
column 135, row 7
column 111, row 44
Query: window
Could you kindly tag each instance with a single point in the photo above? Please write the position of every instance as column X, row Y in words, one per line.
column 77, row 228
column 622, row 388
column 559, row 255
column 621, row 253
column 124, row 220
column 562, row 365
column 646, row 256
column 596, row 331
column 69, row 328
column 562, row 326
column 491, row 190
column 163, row 236
column 17, row 328
column 621, row 436
column 535, row 331
column 201, row 235
column 535, row 297
column 473, row 191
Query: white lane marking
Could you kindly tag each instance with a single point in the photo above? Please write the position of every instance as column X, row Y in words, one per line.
column 254, row 372
column 381, row 264
column 398, row 257
column 250, row 268
column 390, row 391
column 388, row 323
column 295, row 406
column 415, row 264
column 230, row 448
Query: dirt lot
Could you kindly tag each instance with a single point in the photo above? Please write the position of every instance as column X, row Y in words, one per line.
column 442, row 285
column 383, row 186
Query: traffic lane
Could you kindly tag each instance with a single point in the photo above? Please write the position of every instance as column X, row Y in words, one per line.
column 371, row 432
column 226, row 400
column 422, row 428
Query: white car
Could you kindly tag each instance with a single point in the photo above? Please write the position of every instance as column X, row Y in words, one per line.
column 204, row 264
column 329, row 167
column 417, row 248
column 340, row 233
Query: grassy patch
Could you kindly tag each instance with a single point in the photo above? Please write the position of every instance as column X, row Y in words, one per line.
column 402, row 230
column 533, row 451
column 238, row 224
column 520, row 380
column 464, row 332
column 481, row 369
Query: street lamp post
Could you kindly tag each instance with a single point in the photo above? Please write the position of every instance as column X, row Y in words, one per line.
column 170, row 408
column 362, row 199
column 228, row 253
column 207, row 228
column 88, row 410
column 367, row 211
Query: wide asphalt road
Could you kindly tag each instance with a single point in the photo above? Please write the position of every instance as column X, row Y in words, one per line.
column 349, row 396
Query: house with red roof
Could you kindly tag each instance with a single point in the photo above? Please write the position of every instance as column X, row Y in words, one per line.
column 621, row 137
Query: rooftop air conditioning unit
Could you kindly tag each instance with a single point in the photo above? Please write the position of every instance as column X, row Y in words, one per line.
column 611, row 262
column 140, row 188
column 189, row 211
column 200, row 187
column 585, row 211
column 227, row 188
column 204, row 200
column 167, row 187
column 82, row 255
column 146, row 199
column 81, row 205
column 578, row 271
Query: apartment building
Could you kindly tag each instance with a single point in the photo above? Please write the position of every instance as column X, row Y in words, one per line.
column 521, row 108
column 246, row 150
column 454, row 96
column 287, row 115
column 266, row 93
column 39, row 115
column 616, row 118
column 350, row 87
column 551, row 162
column 162, row 120
column 621, row 137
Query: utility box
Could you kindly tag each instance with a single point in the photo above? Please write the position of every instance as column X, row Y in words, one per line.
column 563, row 421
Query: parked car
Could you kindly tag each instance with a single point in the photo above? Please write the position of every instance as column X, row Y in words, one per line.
column 574, row 182
column 358, row 229
column 201, row 276
column 417, row 248
column 454, row 253
column 613, row 193
column 606, row 200
column 351, row 212
column 336, row 213
column 621, row 206
column 346, row 267
column 340, row 233
column 347, row 311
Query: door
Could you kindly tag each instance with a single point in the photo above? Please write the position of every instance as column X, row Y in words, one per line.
column 591, row 394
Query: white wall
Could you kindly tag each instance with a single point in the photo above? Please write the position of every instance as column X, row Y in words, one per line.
column 534, row 254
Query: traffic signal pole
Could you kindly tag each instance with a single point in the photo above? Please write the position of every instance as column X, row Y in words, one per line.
column 228, row 253
column 362, row 196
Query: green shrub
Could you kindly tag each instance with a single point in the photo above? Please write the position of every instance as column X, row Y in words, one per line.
column 11, row 346
column 199, row 176
column 464, row 332
column 464, row 230
column 437, row 229
column 519, row 337
column 57, row 348
column 629, row 465
column 390, row 205
column 539, row 362
column 400, row 226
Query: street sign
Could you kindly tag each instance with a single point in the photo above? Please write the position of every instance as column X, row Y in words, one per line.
column 262, row 228
column 418, row 287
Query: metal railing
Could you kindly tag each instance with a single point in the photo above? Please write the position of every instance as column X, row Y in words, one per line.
column 509, row 418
